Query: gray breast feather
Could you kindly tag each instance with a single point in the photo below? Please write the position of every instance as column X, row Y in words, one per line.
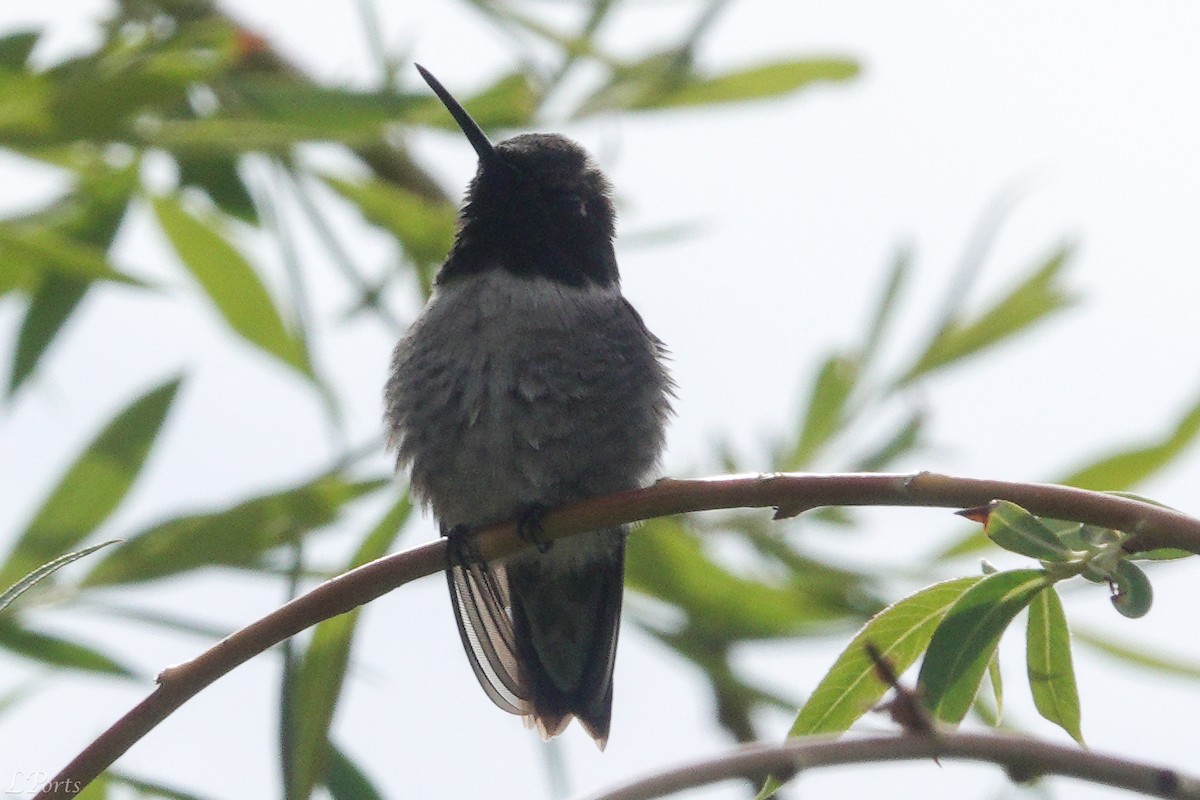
column 510, row 391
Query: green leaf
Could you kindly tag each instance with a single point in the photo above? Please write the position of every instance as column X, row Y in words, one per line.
column 1134, row 594
column 346, row 781
column 1127, row 468
column 774, row 79
column 233, row 537
column 94, row 485
column 1034, row 299
column 289, row 113
column 965, row 640
column 900, row 632
column 824, row 415
column 997, row 682
column 281, row 98
column 41, row 249
column 321, row 673
column 668, row 562
column 103, row 95
column 665, row 80
column 51, row 305
column 97, row 789
column 15, row 49
column 87, row 217
column 903, row 440
column 880, row 320
column 509, row 102
column 56, row 652
column 20, row 587
column 148, row 789
column 218, row 177
column 25, row 118
column 1048, row 662
column 1015, row 529
column 231, row 284
column 224, row 137
column 1138, row 655
column 424, row 227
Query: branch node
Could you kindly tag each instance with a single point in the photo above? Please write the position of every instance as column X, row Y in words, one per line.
column 905, row 709
column 791, row 510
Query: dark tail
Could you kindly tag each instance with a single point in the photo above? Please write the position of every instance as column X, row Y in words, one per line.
column 566, row 616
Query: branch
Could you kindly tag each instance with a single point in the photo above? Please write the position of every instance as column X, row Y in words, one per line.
column 790, row 494
column 1023, row 758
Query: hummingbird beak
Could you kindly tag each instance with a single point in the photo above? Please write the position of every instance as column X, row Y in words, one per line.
column 475, row 134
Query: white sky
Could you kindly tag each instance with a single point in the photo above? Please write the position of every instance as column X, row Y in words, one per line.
column 1091, row 107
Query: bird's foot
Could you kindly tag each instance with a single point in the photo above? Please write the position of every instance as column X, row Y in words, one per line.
column 460, row 550
column 529, row 526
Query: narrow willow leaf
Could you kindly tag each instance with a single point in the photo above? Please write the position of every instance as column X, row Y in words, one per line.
column 44, row 250
column 15, row 49
column 233, row 537
column 147, row 789
column 1138, row 655
column 755, row 83
column 965, row 640
column 1127, row 468
column 29, row 581
column 94, row 485
column 56, row 652
column 1015, row 529
column 905, row 438
column 346, row 781
column 665, row 79
column 997, row 682
column 824, row 413
column 509, row 102
column 89, row 216
column 227, row 137
column 321, row 672
column 26, row 121
column 344, row 111
column 900, row 632
column 50, row 306
column 219, row 178
column 901, row 268
column 1034, row 299
column 1134, row 594
column 424, row 227
column 98, row 789
column 1048, row 662
column 969, row 543
column 231, row 284
column 668, row 562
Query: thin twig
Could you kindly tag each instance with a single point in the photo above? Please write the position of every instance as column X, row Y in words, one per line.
column 790, row 494
column 1024, row 758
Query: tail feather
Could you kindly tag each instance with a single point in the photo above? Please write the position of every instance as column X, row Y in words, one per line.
column 566, row 623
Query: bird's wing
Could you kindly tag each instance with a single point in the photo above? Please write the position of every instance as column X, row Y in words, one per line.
column 483, row 610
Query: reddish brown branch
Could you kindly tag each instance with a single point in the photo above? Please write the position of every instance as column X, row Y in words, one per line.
column 1152, row 527
column 1021, row 756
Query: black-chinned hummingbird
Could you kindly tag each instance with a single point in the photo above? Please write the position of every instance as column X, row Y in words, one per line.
column 529, row 381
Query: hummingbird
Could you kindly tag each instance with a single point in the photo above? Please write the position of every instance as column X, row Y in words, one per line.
column 529, row 381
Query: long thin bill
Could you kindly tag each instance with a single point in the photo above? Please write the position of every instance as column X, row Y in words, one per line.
column 474, row 134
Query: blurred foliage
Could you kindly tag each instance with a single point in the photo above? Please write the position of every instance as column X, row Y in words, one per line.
column 181, row 81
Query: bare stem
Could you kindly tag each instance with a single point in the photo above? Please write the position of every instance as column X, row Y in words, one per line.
column 790, row 494
column 1024, row 758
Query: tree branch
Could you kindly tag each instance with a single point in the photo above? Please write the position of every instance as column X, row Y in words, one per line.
column 790, row 494
column 1023, row 758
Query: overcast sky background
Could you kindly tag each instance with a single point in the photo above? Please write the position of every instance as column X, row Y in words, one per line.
column 798, row 207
